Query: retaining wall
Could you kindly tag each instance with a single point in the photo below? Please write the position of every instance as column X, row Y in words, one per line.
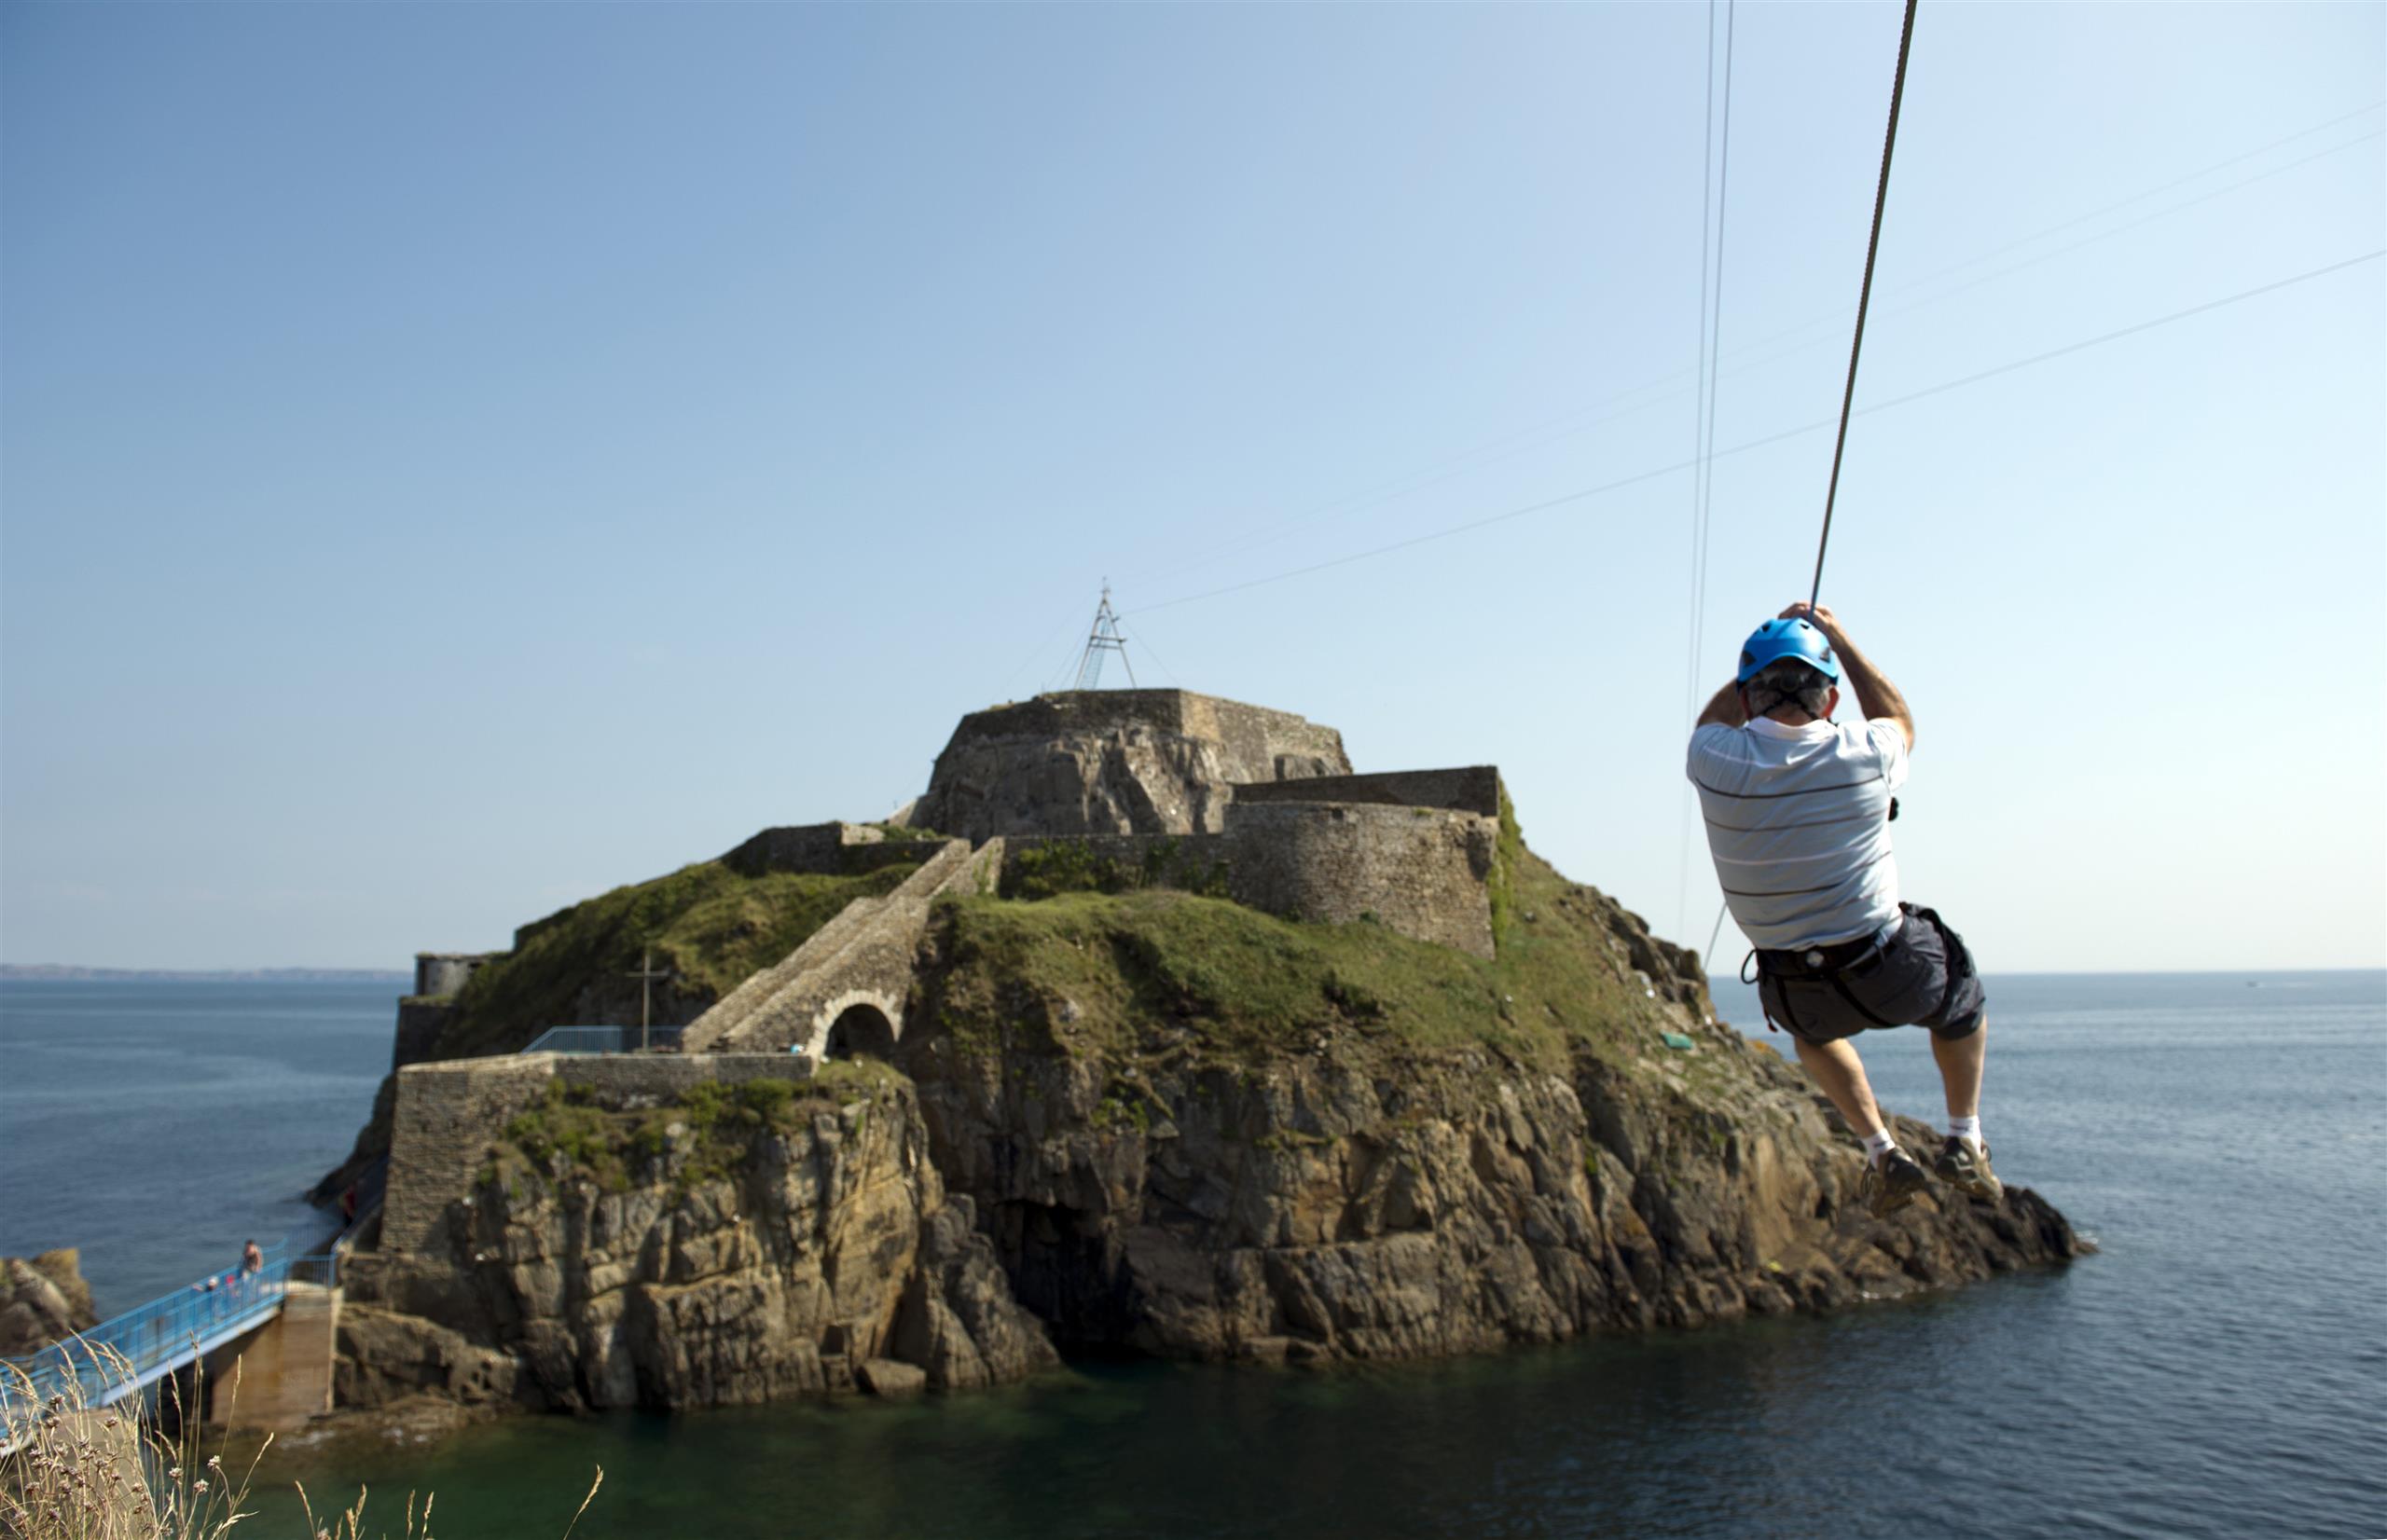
column 449, row 1114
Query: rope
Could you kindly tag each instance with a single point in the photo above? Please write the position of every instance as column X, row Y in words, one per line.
column 1864, row 296
column 1700, row 366
column 1714, row 197
column 1749, row 446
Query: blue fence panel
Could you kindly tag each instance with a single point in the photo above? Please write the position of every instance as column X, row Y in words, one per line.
column 120, row 1355
column 603, row 1039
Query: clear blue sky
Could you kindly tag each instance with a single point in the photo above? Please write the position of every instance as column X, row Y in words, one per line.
column 461, row 458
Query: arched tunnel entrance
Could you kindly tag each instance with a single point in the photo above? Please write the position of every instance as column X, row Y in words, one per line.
column 860, row 1031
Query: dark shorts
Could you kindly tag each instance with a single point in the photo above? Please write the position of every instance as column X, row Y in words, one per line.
column 1922, row 977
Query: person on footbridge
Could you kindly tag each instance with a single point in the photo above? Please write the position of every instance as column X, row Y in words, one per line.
column 1797, row 809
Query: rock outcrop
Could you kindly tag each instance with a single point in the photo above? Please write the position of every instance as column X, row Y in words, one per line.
column 763, row 1258
column 1348, row 1191
column 1117, row 1115
column 42, row 1299
column 1115, row 762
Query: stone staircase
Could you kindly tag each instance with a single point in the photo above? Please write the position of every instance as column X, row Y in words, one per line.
column 863, row 957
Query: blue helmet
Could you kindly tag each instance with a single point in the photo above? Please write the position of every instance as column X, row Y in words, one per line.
column 1778, row 640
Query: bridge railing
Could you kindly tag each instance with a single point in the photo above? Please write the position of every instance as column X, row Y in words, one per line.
column 604, row 1040
column 123, row 1353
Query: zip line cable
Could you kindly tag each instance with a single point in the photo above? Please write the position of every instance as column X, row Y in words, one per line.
column 1699, row 359
column 1565, row 424
column 1768, row 439
column 2013, row 267
column 1864, row 294
column 1710, row 342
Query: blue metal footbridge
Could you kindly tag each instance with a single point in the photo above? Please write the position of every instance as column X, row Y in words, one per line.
column 124, row 1355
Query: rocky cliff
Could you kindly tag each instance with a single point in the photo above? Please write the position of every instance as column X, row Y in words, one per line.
column 745, row 1243
column 42, row 1299
column 1198, row 1132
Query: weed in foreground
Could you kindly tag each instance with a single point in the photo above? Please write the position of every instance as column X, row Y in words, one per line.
column 72, row 1467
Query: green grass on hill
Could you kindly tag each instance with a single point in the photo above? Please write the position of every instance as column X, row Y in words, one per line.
column 708, row 925
column 1131, row 973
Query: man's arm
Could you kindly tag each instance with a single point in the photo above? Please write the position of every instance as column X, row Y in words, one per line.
column 1725, row 708
column 1876, row 696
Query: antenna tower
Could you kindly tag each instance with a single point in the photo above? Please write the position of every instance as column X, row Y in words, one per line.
column 1105, row 637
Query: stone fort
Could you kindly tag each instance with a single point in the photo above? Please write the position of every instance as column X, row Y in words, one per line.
column 1160, row 788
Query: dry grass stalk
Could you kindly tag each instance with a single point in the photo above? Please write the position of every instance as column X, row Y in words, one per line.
column 72, row 1470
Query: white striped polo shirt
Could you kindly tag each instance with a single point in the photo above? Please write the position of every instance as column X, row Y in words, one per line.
column 1799, row 822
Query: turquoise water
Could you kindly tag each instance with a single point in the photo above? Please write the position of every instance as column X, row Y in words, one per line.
column 2215, row 1371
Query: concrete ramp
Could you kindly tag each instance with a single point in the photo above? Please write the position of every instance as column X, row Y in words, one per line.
column 857, row 967
column 281, row 1376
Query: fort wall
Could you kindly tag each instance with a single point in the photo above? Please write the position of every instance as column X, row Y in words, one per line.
column 1471, row 789
column 439, row 974
column 419, row 1024
column 1422, row 871
column 447, row 1114
column 1116, row 762
column 1419, row 870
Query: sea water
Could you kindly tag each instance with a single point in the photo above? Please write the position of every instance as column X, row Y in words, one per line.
column 2219, row 1369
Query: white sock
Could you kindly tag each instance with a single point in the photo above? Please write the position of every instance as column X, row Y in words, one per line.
column 1878, row 1144
column 1965, row 1128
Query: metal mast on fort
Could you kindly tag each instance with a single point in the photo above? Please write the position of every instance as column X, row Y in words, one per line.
column 1105, row 637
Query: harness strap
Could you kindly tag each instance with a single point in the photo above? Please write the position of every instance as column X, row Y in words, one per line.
column 1759, row 982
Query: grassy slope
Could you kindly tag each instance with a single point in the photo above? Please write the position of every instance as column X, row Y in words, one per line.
column 709, row 926
column 1172, row 973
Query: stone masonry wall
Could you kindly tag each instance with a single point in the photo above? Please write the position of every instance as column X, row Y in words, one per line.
column 1422, row 871
column 419, row 1024
column 448, row 1113
column 833, row 849
column 861, row 956
column 1115, row 762
column 439, row 974
column 1471, row 789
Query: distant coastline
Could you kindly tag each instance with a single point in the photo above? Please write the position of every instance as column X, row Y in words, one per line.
column 56, row 971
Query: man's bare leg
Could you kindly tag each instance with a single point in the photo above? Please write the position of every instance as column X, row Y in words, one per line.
column 1837, row 1068
column 1963, row 1159
column 1892, row 1179
column 1960, row 1061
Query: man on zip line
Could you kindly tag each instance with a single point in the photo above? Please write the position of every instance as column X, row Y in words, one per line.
column 1798, row 813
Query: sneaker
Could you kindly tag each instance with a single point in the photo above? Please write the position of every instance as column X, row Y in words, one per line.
column 1891, row 1183
column 1964, row 1166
